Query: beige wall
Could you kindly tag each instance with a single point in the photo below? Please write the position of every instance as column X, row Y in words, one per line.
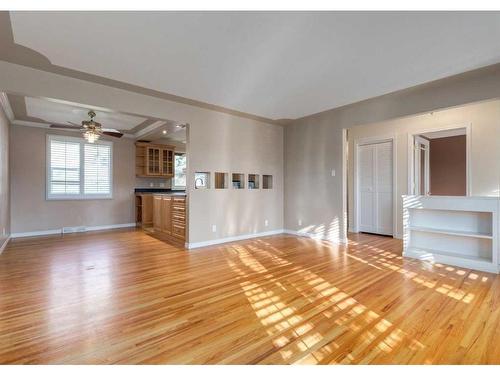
column 4, row 178
column 215, row 141
column 236, row 148
column 313, row 146
column 32, row 212
column 484, row 120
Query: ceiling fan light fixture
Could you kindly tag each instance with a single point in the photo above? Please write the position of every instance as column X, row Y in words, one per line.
column 91, row 136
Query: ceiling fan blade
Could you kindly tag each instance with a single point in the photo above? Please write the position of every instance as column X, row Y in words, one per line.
column 113, row 134
column 72, row 123
column 57, row 126
column 110, row 130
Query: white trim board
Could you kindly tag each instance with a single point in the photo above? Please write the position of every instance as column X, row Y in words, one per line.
column 4, row 102
column 59, row 231
column 195, row 245
column 2, row 248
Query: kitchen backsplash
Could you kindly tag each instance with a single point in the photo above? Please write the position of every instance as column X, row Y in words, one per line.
column 153, row 183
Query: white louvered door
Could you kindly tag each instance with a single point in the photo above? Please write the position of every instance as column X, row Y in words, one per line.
column 375, row 188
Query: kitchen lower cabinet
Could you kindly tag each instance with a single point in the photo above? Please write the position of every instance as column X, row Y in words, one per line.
column 166, row 213
column 144, row 210
column 169, row 216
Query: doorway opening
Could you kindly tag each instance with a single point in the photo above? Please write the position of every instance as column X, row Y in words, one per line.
column 439, row 163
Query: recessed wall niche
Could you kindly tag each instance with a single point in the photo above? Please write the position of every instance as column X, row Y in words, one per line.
column 267, row 181
column 253, row 181
column 221, row 180
column 238, row 181
column 202, row 180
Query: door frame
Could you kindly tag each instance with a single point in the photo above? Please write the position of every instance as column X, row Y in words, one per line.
column 411, row 162
column 356, row 206
column 427, row 182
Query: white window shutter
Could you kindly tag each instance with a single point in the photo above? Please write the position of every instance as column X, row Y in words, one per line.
column 64, row 167
column 78, row 170
column 97, row 169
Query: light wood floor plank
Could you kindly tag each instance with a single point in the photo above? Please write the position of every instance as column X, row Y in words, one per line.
column 126, row 297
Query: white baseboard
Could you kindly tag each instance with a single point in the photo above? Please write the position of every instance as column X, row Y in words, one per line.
column 194, row 245
column 36, row 233
column 316, row 236
column 59, row 231
column 4, row 245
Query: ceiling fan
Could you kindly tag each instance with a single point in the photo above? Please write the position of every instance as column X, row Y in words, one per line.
column 91, row 129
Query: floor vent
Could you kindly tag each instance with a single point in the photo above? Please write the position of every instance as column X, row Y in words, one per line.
column 74, row 229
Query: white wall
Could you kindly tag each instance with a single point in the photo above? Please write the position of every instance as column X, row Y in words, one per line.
column 484, row 119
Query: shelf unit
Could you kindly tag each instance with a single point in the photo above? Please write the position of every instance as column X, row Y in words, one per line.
column 460, row 231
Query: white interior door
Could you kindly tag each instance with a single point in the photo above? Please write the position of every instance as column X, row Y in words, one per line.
column 375, row 188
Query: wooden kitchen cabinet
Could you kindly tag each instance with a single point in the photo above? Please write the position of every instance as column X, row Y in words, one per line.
column 169, row 216
column 153, row 160
column 144, row 210
column 157, row 216
column 166, row 213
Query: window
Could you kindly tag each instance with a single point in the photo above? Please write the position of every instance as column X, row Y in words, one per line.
column 77, row 169
column 180, row 171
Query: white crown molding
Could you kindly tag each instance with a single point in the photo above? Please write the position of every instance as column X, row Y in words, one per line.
column 33, row 124
column 4, row 100
column 41, row 125
column 149, row 128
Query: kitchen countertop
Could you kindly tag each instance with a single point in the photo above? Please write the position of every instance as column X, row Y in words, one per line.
column 153, row 191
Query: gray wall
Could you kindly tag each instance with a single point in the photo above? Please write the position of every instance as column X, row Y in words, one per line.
column 313, row 144
column 4, row 178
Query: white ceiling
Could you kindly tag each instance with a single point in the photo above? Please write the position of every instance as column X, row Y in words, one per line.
column 60, row 113
column 276, row 65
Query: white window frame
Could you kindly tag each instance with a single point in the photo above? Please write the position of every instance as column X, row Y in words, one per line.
column 178, row 187
column 82, row 195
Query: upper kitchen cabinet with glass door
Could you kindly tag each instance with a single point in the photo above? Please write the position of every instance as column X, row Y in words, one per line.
column 154, row 160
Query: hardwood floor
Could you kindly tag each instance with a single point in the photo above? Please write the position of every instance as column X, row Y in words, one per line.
column 126, row 297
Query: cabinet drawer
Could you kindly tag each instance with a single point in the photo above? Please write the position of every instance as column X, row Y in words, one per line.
column 179, row 223
column 178, row 208
column 178, row 231
column 179, row 200
column 179, row 216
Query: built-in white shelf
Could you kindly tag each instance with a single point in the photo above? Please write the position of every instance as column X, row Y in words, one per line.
column 460, row 231
column 459, row 260
column 452, row 232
